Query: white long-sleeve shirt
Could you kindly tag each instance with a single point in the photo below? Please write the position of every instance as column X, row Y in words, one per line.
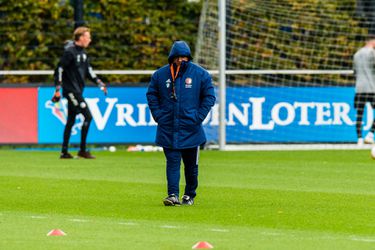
column 364, row 68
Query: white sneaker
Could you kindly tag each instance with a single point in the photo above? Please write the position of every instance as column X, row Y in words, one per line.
column 360, row 142
column 369, row 139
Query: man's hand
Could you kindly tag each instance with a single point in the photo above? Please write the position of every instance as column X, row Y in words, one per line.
column 104, row 89
column 102, row 86
column 56, row 97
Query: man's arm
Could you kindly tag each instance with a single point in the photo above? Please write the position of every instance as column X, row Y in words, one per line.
column 58, row 82
column 65, row 60
column 207, row 97
column 153, row 97
column 93, row 77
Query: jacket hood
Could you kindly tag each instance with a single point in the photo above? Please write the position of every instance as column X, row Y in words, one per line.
column 68, row 43
column 179, row 48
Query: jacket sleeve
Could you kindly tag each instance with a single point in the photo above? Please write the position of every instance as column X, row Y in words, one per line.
column 57, row 76
column 93, row 77
column 153, row 97
column 65, row 60
column 207, row 97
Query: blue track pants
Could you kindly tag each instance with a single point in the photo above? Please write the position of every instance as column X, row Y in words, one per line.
column 190, row 158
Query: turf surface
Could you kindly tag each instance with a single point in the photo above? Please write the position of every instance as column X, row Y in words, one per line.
column 246, row 200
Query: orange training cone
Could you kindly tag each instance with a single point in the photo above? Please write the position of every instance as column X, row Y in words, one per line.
column 202, row 244
column 56, row 232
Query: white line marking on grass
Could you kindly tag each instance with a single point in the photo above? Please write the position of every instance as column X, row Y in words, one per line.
column 322, row 237
column 271, row 233
column 78, row 220
column 128, row 223
column 38, row 217
column 219, row 230
column 362, row 239
column 169, row 226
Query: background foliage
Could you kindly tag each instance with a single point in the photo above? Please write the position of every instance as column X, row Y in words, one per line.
column 127, row 34
column 137, row 34
column 285, row 35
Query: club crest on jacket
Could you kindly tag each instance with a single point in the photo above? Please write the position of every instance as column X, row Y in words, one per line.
column 188, row 83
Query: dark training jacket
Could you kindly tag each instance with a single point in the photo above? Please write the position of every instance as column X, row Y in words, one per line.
column 180, row 119
column 73, row 69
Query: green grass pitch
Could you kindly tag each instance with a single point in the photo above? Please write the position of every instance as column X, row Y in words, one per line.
column 246, row 200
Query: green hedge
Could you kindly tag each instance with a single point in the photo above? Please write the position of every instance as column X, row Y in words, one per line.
column 132, row 34
column 137, row 34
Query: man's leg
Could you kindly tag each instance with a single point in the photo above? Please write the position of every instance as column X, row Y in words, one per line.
column 372, row 102
column 68, row 127
column 86, row 125
column 190, row 157
column 85, row 111
column 173, row 158
column 369, row 97
column 359, row 104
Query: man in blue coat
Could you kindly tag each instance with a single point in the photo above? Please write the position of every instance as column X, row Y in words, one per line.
column 180, row 96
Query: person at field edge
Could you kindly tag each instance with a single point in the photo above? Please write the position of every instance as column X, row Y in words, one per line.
column 364, row 70
column 180, row 95
column 70, row 74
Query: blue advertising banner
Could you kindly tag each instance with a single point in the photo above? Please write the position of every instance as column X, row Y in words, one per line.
column 254, row 115
column 121, row 117
column 291, row 115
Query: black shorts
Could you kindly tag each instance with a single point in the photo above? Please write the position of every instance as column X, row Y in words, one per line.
column 77, row 104
column 361, row 99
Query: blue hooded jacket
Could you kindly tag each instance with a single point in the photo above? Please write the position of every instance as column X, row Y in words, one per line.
column 180, row 119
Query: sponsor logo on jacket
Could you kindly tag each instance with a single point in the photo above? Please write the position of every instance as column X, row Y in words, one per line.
column 168, row 83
